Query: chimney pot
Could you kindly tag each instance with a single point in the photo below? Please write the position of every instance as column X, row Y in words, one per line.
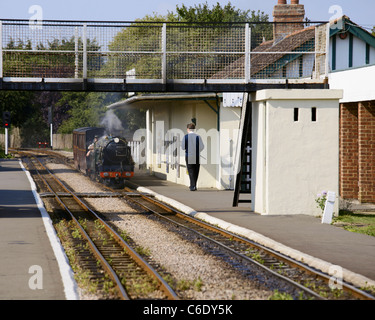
column 281, row 2
column 295, row 1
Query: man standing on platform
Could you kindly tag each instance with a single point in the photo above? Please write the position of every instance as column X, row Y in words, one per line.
column 193, row 145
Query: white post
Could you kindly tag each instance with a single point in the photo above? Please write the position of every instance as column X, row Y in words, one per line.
column 1, row 49
column 247, row 52
column 164, row 53
column 76, row 53
column 328, row 209
column 84, row 40
column 328, row 35
column 6, row 141
column 51, row 135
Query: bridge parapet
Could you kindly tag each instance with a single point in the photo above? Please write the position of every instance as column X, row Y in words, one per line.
column 141, row 56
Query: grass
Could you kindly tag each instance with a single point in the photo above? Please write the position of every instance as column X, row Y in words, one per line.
column 280, row 296
column 356, row 222
column 3, row 156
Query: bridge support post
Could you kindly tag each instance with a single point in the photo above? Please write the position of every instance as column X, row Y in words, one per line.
column 247, row 52
column 1, row 50
column 164, row 54
column 84, row 41
column 76, row 54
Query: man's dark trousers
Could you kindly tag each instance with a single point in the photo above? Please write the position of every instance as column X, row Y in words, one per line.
column 193, row 170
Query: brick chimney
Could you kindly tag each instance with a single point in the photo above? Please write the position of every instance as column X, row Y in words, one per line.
column 284, row 12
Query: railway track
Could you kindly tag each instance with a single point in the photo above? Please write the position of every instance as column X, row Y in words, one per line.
column 311, row 283
column 116, row 267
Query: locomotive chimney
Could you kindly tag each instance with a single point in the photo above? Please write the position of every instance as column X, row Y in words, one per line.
column 293, row 14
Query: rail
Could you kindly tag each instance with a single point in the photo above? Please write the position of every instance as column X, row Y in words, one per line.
column 153, row 56
column 123, row 265
column 313, row 283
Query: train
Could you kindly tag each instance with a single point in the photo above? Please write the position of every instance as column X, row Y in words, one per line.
column 102, row 157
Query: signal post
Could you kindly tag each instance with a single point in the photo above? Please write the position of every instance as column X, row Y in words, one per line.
column 6, row 125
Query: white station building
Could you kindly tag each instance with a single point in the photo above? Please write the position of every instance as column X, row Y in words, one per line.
column 295, row 143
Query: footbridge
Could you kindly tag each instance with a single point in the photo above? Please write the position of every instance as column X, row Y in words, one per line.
column 161, row 57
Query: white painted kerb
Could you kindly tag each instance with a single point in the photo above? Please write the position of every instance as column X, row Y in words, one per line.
column 324, row 266
column 70, row 286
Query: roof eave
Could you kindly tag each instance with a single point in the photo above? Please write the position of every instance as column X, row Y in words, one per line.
column 145, row 99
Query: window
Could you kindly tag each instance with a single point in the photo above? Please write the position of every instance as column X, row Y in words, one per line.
column 296, row 114
column 334, row 52
column 313, row 114
column 367, row 53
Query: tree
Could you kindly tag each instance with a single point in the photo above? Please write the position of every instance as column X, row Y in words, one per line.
column 47, row 99
column 26, row 114
column 218, row 14
column 19, row 103
column 62, row 63
column 184, row 38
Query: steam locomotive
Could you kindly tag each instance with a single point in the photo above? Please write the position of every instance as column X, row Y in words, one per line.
column 102, row 157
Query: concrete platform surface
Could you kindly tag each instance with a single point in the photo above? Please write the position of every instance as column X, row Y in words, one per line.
column 301, row 237
column 31, row 259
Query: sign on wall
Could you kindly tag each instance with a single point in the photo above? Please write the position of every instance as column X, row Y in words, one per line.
column 233, row 99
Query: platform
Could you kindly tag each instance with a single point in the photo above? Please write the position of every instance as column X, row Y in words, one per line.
column 32, row 265
column 301, row 237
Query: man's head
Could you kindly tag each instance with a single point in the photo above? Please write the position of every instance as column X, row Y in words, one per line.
column 190, row 127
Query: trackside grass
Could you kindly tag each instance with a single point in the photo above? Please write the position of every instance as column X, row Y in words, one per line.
column 360, row 222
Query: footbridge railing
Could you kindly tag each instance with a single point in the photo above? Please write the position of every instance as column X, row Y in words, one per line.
column 152, row 56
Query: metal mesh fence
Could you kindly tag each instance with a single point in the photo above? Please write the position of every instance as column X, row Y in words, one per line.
column 137, row 51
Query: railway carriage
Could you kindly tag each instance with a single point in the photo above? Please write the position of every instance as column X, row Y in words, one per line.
column 106, row 159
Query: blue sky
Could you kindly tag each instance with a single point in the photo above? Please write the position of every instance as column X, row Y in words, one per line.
column 360, row 11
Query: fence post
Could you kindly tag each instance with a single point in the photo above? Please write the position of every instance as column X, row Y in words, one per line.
column 328, row 35
column 247, row 52
column 76, row 61
column 84, row 40
column 1, row 49
column 164, row 53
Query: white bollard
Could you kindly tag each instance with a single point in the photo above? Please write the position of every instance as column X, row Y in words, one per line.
column 328, row 209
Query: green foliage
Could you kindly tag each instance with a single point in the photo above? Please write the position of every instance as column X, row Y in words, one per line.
column 140, row 37
column 19, row 103
column 34, row 129
column 80, row 109
column 217, row 14
column 86, row 109
column 52, row 64
column 321, row 200
column 26, row 114
column 3, row 156
column 277, row 295
column 356, row 222
column 132, row 119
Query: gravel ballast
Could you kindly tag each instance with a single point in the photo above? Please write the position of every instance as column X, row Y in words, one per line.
column 209, row 276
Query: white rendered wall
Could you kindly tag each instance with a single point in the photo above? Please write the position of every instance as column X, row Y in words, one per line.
column 358, row 84
column 293, row 161
column 170, row 120
column 229, row 130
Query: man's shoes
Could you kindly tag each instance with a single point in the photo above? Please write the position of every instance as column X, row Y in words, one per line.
column 193, row 188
